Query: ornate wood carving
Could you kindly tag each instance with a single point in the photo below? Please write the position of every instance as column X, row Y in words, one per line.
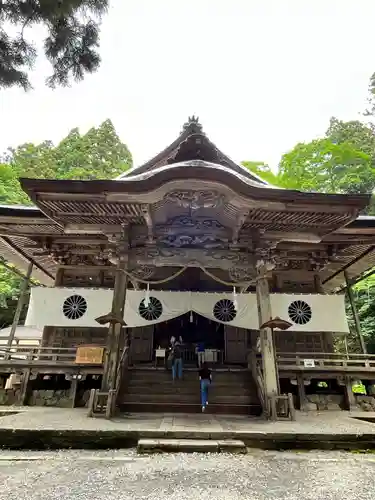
column 185, row 231
column 143, row 271
column 238, row 226
column 146, row 211
column 194, row 199
column 192, row 241
column 241, row 274
column 196, row 223
column 161, row 256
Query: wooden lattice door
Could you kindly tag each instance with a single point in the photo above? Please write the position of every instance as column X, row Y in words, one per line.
column 235, row 344
column 141, row 344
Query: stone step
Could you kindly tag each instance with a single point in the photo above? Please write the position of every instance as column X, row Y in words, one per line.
column 169, row 381
column 142, row 389
column 184, row 398
column 190, row 384
column 250, row 409
column 159, row 374
column 146, row 390
column 190, row 446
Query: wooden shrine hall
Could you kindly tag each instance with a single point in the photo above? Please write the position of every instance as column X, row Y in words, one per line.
column 189, row 245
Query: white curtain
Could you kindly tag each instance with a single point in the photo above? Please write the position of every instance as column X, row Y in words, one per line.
column 319, row 313
column 47, row 306
column 173, row 304
column 326, row 313
column 245, row 315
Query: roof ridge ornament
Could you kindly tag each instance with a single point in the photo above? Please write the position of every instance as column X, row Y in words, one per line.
column 193, row 124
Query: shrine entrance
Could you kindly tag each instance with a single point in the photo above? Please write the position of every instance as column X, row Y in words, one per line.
column 193, row 329
column 224, row 344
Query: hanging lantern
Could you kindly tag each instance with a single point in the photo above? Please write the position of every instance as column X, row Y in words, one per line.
column 191, row 317
column 147, row 296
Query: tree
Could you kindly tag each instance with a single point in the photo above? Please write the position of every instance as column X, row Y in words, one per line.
column 357, row 133
column 364, row 295
column 325, row 166
column 263, row 171
column 98, row 154
column 321, row 166
column 10, row 285
column 10, row 189
column 370, row 111
column 71, row 42
column 341, row 162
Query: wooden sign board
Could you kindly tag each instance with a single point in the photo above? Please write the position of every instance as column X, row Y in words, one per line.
column 89, row 355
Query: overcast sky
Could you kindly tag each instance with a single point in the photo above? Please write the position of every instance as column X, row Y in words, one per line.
column 261, row 75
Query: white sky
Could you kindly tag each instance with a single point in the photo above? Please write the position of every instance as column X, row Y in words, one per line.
column 261, row 75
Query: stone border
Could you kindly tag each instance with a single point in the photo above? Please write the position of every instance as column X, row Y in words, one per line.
column 30, row 439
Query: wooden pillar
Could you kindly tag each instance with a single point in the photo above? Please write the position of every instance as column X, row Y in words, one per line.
column 20, row 304
column 327, row 337
column 270, row 375
column 301, row 393
column 73, row 391
column 349, row 395
column 318, row 284
column 59, row 278
column 277, row 282
column 355, row 313
column 25, row 387
column 114, row 331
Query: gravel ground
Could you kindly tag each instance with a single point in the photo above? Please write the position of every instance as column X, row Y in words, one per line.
column 81, row 475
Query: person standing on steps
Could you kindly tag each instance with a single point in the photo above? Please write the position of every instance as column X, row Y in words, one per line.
column 176, row 359
column 174, row 340
column 205, row 378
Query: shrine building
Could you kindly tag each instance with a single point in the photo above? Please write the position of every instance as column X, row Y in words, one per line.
column 189, row 245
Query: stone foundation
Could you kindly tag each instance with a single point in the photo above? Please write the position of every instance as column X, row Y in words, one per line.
column 366, row 403
column 333, row 402
column 9, row 397
column 83, row 399
column 59, row 398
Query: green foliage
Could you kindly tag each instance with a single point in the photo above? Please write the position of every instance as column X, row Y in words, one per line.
column 325, row 166
column 341, row 162
column 98, row 154
column 359, row 134
column 364, row 296
column 71, row 42
column 9, row 283
column 10, row 189
column 263, row 171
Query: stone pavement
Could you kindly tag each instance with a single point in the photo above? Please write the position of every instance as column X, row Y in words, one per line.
column 124, row 475
column 63, row 427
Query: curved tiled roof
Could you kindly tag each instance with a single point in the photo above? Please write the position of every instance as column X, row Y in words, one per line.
column 242, row 174
column 192, row 144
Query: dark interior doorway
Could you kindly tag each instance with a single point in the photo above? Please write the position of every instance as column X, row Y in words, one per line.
column 193, row 328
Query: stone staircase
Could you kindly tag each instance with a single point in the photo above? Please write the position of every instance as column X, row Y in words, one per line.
column 151, row 390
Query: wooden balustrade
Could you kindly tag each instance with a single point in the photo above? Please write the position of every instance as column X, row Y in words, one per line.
column 28, row 355
column 308, row 361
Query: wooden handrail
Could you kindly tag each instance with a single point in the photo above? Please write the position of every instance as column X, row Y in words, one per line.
column 336, row 364
column 312, row 355
column 38, row 354
column 327, row 360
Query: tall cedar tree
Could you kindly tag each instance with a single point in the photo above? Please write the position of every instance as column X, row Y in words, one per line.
column 70, row 45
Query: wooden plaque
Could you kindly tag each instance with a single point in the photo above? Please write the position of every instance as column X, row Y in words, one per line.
column 89, row 355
